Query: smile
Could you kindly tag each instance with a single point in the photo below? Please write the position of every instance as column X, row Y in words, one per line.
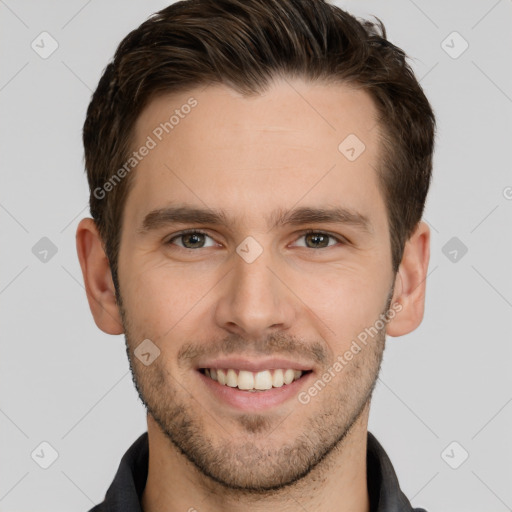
column 253, row 381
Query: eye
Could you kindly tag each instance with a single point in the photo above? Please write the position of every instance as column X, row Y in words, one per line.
column 318, row 239
column 191, row 239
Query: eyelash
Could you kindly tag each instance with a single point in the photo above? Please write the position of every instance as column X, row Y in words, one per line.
column 338, row 239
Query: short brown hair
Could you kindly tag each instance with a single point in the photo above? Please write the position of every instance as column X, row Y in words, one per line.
column 244, row 44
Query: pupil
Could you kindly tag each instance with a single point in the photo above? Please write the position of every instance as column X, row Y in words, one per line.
column 317, row 238
column 193, row 239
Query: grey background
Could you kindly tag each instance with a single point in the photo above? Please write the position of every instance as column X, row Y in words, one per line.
column 65, row 382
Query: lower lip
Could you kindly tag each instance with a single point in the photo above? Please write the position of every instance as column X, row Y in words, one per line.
column 254, row 401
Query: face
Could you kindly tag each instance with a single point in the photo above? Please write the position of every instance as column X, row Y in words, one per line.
column 286, row 261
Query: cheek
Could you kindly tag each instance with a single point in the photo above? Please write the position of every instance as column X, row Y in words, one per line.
column 160, row 297
column 346, row 302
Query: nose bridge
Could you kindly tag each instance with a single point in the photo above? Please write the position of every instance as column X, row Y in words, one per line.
column 254, row 281
column 253, row 298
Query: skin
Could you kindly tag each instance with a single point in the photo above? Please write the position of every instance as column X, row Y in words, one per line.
column 251, row 156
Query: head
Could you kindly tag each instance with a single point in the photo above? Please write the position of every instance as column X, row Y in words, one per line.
column 266, row 116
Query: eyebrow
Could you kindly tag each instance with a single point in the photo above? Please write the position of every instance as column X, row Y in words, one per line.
column 162, row 217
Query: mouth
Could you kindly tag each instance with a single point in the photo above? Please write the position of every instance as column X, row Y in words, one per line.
column 253, row 386
column 261, row 381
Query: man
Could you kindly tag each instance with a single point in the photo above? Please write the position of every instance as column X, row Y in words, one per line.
column 258, row 172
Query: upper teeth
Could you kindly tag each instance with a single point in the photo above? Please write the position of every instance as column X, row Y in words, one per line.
column 243, row 379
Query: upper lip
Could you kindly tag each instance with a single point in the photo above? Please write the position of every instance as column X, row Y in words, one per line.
column 253, row 365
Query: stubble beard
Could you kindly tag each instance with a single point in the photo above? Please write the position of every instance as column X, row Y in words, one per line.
column 248, row 463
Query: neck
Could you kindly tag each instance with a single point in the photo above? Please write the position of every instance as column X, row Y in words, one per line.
column 337, row 484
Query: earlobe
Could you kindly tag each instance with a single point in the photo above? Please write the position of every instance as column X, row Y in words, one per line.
column 97, row 278
column 410, row 283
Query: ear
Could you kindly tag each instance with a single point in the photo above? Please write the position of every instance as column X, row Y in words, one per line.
column 410, row 283
column 99, row 285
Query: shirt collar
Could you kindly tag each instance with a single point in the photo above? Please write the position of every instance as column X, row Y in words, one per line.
column 126, row 490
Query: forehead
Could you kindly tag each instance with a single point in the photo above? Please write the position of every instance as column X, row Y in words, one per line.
column 295, row 142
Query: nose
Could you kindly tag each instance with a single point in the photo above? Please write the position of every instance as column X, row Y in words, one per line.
column 255, row 300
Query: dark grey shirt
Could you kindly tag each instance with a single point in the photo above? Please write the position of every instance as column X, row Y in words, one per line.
column 125, row 491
